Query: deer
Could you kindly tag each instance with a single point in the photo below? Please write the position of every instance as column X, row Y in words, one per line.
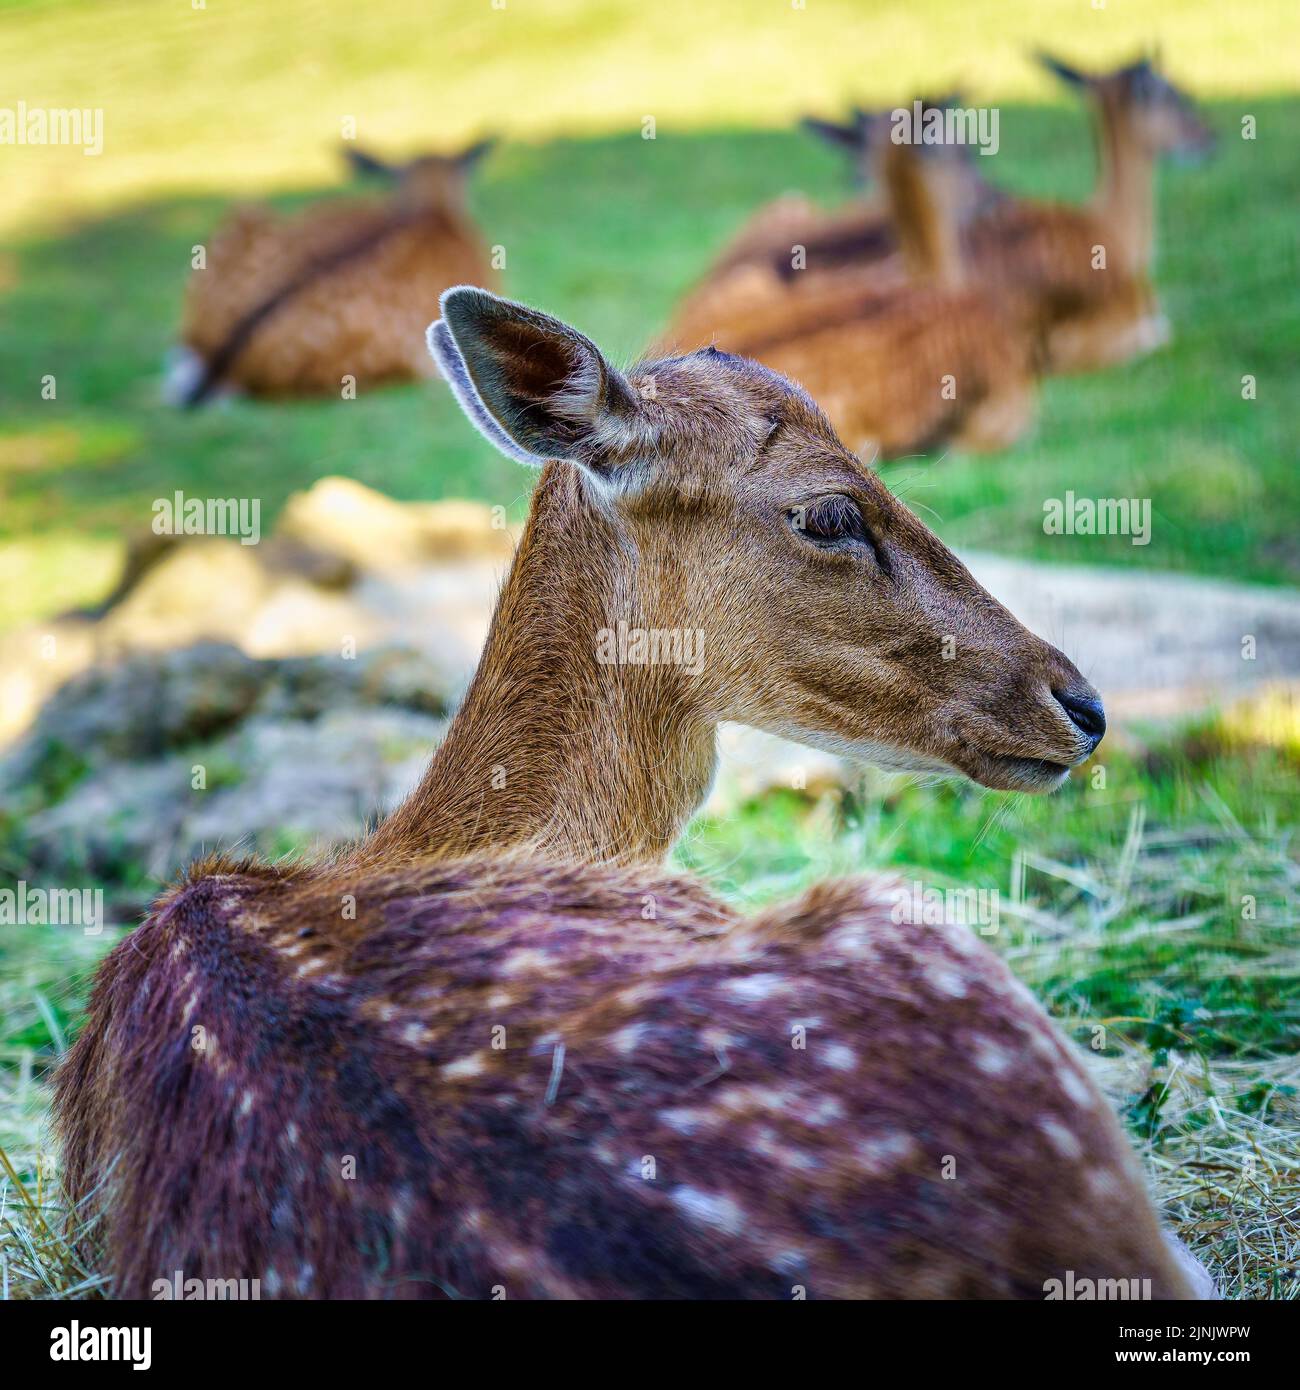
column 906, row 363
column 1086, row 270
column 790, row 248
column 292, row 305
column 496, row 1048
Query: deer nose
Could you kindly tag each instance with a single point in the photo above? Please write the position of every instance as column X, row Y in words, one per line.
column 1086, row 713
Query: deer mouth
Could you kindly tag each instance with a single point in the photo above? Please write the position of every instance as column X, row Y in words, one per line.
column 1005, row 772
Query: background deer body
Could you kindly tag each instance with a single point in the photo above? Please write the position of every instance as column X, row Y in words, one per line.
column 290, row 305
column 531, row 1060
column 909, row 353
column 1086, row 270
column 852, row 248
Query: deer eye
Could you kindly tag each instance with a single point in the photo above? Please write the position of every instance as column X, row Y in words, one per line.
column 830, row 521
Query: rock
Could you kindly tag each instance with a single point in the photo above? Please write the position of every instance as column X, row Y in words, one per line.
column 150, row 703
column 342, row 517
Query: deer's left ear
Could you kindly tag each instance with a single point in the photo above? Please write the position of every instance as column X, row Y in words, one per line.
column 363, row 162
column 536, row 388
column 1063, row 70
column 467, row 160
column 844, row 137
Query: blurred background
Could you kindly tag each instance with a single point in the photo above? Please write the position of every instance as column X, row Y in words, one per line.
column 1151, row 904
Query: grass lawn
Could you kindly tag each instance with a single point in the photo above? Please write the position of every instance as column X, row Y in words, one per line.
column 1154, row 915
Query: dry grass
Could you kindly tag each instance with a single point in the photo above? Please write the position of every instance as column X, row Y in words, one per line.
column 1214, row 1110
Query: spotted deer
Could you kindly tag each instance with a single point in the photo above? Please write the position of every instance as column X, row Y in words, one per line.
column 790, row 248
column 495, row 1046
column 908, row 363
column 1085, row 271
column 342, row 291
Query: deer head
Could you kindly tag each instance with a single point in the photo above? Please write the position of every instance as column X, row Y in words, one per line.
column 1139, row 101
column 708, row 497
column 431, row 180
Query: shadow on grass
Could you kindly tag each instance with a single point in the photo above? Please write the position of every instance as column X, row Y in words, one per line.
column 609, row 231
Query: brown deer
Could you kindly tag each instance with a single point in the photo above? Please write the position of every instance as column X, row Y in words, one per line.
column 292, row 306
column 907, row 363
column 1085, row 272
column 789, row 248
column 496, row 1047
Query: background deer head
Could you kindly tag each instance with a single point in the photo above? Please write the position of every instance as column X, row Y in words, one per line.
column 707, row 496
column 433, row 180
column 1154, row 114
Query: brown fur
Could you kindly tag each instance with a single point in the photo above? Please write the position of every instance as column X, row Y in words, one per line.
column 646, row 1125
column 1043, row 253
column 1032, row 262
column 906, row 361
column 847, row 249
column 363, row 278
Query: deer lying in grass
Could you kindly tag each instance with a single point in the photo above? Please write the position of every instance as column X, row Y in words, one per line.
column 1085, row 272
column 790, row 248
column 290, row 306
column 908, row 364
column 496, row 1046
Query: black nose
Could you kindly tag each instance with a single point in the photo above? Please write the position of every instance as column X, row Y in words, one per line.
column 1085, row 712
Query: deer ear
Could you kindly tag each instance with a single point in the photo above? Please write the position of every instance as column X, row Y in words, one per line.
column 363, row 163
column 467, row 160
column 535, row 388
column 844, row 137
column 1062, row 70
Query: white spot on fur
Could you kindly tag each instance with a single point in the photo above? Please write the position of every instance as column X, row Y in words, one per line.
column 1075, row 1087
column 1105, row 1184
column 710, row 1209
column 246, row 1102
column 837, row 1057
column 628, row 1039
column 821, row 1112
column 991, row 1059
column 472, row 1065
column 755, row 987
column 1063, row 1140
column 946, row 980
column 884, row 1152
column 528, row 961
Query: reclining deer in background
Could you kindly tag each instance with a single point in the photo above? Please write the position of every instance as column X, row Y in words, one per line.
column 494, row 1044
column 292, row 305
column 789, row 247
column 903, row 362
column 1088, row 269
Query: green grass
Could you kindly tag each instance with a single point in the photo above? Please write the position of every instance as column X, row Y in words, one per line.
column 1121, row 906
column 241, row 95
column 608, row 231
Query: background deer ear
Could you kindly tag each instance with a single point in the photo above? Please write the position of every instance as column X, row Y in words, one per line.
column 1062, row 70
column 364, row 163
column 467, row 160
column 536, row 388
column 844, row 137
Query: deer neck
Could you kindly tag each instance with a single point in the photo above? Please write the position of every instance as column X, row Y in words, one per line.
column 925, row 221
column 563, row 746
column 1125, row 197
